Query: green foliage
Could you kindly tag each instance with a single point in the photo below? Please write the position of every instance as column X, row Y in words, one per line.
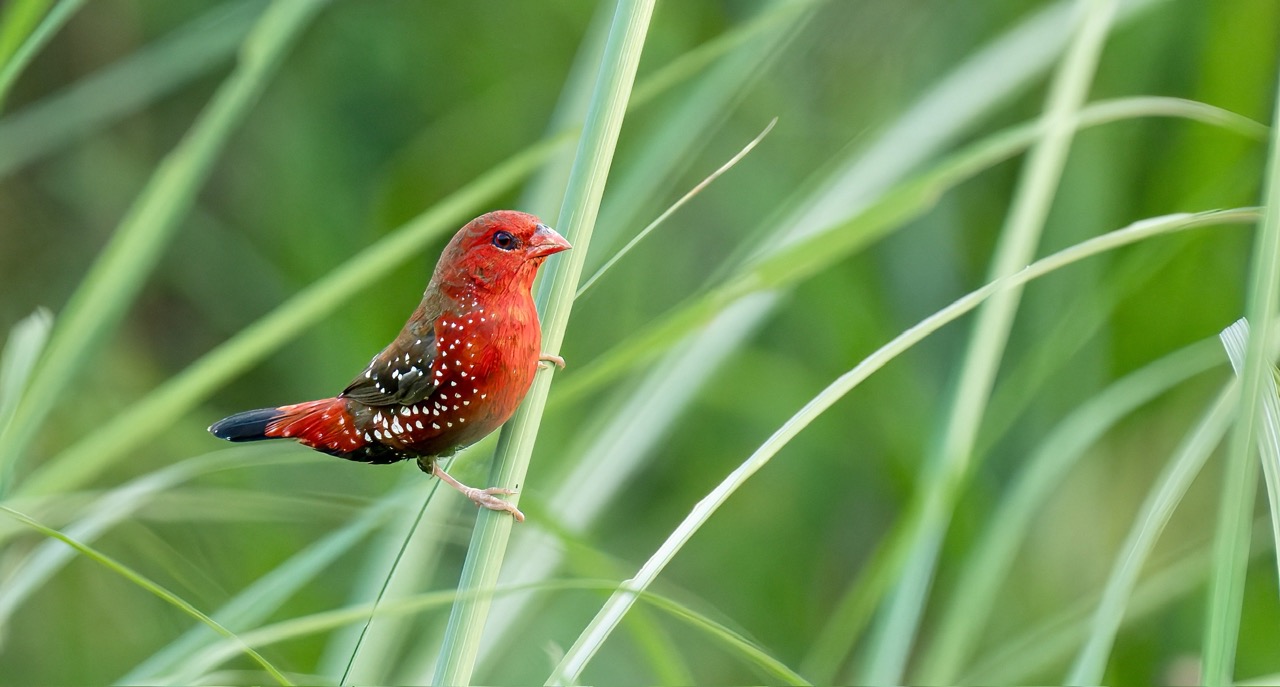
column 781, row 451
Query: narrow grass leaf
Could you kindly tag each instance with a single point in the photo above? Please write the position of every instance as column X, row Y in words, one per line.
column 1172, row 485
column 152, row 587
column 698, row 188
column 21, row 352
column 34, row 41
column 30, row 572
column 734, row 641
column 1235, row 339
column 17, row 20
column 264, row 596
column 984, row 573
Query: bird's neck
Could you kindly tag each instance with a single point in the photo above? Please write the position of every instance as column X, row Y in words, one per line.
column 478, row 286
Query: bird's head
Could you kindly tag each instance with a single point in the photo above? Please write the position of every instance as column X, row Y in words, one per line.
column 499, row 250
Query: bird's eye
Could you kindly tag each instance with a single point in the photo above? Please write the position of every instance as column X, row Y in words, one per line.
column 505, row 240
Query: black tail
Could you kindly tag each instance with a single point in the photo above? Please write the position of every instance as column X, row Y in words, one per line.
column 250, row 425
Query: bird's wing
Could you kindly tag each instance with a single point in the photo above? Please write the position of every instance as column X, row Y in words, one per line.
column 399, row 375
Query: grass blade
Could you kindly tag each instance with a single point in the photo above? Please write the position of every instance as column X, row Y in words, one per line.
column 159, row 591
column 946, row 470
column 20, row 355
column 1231, row 552
column 1235, row 338
column 611, row 614
column 586, row 284
column 837, row 236
column 259, row 600
column 44, row 31
column 1190, row 457
column 105, row 293
column 985, row 572
column 555, row 298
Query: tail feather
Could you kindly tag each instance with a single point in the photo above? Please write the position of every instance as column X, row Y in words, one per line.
column 250, row 425
column 325, row 425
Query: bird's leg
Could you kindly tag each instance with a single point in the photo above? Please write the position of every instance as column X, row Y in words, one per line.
column 482, row 497
column 549, row 358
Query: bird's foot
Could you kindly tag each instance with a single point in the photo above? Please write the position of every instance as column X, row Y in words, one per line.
column 549, row 358
column 487, row 498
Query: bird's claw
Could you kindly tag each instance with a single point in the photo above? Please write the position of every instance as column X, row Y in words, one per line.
column 488, row 498
column 549, row 358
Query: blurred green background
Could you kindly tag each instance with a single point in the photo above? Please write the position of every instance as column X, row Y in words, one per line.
column 382, row 109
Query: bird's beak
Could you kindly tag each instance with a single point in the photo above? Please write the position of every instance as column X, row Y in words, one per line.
column 545, row 241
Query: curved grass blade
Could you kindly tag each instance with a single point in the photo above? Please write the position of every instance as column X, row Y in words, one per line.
column 155, row 589
column 607, row 619
column 984, row 572
column 1235, row 338
column 115, row 506
column 259, row 600
column 1190, row 457
column 820, row 248
column 698, row 188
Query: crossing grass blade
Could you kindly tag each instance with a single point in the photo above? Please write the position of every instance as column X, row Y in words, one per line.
column 588, row 643
column 1164, row 497
column 27, row 46
column 151, row 587
column 985, row 572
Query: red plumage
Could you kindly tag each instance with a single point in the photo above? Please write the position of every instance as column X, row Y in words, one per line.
column 457, row 370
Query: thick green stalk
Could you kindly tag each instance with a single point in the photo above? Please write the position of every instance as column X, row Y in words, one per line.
column 949, row 467
column 555, row 300
column 1231, row 541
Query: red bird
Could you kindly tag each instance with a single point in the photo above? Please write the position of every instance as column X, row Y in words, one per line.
column 457, row 371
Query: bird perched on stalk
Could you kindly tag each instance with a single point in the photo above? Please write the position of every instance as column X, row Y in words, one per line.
column 456, row 372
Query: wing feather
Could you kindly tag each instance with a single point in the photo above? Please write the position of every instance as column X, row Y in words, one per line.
column 399, row 375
